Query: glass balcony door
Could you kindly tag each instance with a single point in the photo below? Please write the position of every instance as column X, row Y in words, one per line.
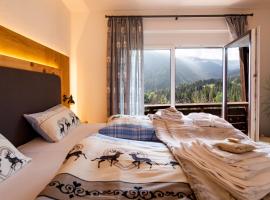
column 239, row 83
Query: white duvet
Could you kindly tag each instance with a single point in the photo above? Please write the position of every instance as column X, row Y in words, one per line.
column 101, row 167
column 215, row 174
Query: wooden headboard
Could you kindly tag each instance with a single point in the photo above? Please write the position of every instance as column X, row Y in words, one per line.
column 33, row 78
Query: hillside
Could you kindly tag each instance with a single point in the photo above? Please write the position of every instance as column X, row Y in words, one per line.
column 157, row 70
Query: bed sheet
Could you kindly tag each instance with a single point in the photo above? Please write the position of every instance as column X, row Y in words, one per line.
column 46, row 161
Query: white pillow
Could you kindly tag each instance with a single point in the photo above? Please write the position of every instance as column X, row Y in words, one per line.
column 54, row 123
column 11, row 160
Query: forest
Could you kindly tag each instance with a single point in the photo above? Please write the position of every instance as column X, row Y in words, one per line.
column 201, row 91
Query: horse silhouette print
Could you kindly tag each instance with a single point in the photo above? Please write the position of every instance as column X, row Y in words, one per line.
column 138, row 161
column 111, row 158
column 13, row 160
column 61, row 126
column 173, row 163
column 73, row 119
column 67, row 123
column 76, row 152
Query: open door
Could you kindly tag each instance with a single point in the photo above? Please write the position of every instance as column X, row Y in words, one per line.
column 240, row 84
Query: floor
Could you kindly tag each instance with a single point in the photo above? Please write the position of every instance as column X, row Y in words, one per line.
column 264, row 139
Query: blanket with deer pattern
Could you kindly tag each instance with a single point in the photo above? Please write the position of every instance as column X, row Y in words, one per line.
column 102, row 167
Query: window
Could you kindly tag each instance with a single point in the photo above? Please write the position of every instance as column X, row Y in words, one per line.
column 197, row 72
column 198, row 77
column 187, row 85
column 157, row 77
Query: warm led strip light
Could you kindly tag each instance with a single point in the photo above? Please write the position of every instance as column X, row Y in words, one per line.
column 29, row 59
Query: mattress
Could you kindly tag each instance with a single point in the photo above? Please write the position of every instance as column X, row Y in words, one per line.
column 46, row 161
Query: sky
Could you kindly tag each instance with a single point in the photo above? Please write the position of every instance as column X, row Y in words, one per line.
column 207, row 53
column 204, row 53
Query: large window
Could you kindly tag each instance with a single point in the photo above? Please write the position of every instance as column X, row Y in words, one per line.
column 198, row 77
column 197, row 73
column 157, row 73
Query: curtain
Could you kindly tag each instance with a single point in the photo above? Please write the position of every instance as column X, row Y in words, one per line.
column 238, row 27
column 124, row 66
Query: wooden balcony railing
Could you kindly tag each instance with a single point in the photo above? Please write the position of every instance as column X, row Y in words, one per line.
column 237, row 111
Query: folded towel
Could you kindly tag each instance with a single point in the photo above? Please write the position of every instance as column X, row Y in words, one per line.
column 234, row 146
column 242, row 183
column 232, row 158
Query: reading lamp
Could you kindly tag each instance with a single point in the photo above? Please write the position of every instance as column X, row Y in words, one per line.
column 69, row 99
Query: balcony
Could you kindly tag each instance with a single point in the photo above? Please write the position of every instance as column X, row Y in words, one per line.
column 237, row 111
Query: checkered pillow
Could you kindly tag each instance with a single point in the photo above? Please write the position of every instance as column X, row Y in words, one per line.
column 130, row 127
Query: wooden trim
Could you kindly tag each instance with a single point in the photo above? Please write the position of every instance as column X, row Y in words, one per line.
column 20, row 52
column 6, row 61
column 195, row 105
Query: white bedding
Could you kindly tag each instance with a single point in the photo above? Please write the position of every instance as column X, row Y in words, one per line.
column 46, row 160
column 215, row 174
column 102, row 167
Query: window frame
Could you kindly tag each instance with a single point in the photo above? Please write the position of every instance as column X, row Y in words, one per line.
column 199, row 47
column 173, row 49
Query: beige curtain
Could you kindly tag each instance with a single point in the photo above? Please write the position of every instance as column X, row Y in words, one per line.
column 238, row 27
column 124, row 65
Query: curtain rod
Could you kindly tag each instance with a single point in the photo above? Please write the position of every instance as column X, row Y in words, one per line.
column 178, row 16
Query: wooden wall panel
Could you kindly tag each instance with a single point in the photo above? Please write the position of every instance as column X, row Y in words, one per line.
column 20, row 52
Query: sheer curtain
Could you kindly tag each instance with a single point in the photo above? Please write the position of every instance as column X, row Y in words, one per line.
column 238, row 27
column 124, row 65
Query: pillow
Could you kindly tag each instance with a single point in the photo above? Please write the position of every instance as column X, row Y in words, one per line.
column 11, row 160
column 54, row 123
column 130, row 127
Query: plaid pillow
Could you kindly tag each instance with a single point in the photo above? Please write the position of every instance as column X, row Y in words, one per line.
column 130, row 127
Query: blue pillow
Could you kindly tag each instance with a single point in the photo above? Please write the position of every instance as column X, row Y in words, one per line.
column 130, row 127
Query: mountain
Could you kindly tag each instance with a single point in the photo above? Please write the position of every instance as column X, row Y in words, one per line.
column 188, row 70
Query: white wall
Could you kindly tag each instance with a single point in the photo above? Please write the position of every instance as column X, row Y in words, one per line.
column 88, row 62
column 89, row 43
column 186, row 32
column 261, row 19
column 45, row 21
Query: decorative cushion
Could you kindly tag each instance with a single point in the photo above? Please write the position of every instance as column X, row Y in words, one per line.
column 130, row 127
column 11, row 160
column 54, row 123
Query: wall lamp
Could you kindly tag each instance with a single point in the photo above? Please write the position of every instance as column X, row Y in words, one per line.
column 69, row 99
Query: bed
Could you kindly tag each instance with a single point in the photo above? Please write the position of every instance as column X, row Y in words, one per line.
column 185, row 164
column 192, row 164
column 28, row 92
